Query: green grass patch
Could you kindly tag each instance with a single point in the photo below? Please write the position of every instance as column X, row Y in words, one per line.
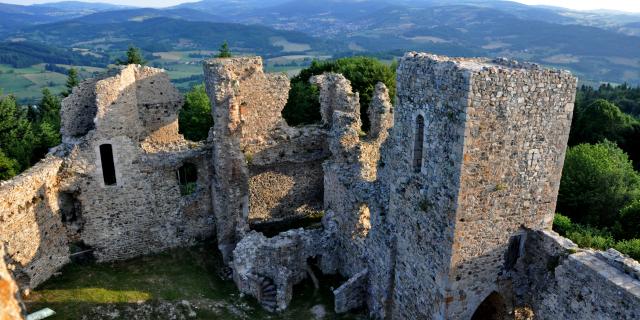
column 190, row 274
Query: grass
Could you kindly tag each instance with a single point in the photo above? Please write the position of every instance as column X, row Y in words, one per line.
column 189, row 274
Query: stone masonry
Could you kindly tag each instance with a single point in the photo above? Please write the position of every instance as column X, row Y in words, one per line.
column 443, row 210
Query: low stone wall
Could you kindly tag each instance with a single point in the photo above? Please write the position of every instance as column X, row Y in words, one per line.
column 560, row 281
column 32, row 228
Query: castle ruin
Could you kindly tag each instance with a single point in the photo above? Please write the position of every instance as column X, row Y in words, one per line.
column 443, row 210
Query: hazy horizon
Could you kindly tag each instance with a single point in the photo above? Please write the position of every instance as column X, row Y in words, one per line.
column 618, row 5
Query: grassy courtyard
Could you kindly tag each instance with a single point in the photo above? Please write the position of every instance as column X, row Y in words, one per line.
column 181, row 283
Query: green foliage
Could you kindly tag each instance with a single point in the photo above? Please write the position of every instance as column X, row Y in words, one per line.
column 599, row 121
column 17, row 139
column 562, row 224
column 224, row 51
column 598, row 180
column 363, row 72
column 630, row 221
column 134, row 56
column 195, row 118
column 8, row 167
column 590, row 237
column 629, row 247
column 72, row 81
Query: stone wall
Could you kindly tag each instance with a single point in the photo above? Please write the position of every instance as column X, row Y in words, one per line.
column 517, row 126
column 143, row 211
column 10, row 308
column 559, row 281
column 32, row 228
column 264, row 171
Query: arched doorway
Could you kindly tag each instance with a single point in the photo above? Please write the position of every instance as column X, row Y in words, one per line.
column 492, row 308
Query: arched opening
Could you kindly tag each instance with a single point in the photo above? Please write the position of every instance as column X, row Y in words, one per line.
column 418, row 144
column 187, row 178
column 492, row 308
column 108, row 165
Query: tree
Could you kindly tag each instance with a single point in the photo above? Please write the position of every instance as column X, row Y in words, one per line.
column 363, row 73
column 134, row 56
column 46, row 125
column 597, row 182
column 601, row 120
column 72, row 81
column 8, row 167
column 630, row 221
column 224, row 51
column 195, row 118
column 17, row 139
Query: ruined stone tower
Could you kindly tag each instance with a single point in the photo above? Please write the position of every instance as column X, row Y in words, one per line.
column 474, row 161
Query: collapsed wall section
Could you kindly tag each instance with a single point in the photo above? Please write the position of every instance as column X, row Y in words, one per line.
column 264, row 170
column 32, row 230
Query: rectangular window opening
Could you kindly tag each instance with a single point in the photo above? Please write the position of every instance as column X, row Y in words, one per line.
column 108, row 166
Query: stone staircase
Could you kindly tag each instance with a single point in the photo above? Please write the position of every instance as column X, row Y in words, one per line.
column 268, row 294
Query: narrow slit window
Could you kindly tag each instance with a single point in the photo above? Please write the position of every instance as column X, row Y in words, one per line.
column 108, row 166
column 418, row 144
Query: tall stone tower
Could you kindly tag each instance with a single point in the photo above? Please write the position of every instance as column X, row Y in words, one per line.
column 475, row 158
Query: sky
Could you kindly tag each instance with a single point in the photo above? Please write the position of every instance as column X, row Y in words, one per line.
column 620, row 5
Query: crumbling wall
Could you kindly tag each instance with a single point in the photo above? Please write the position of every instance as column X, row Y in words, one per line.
column 32, row 228
column 10, row 308
column 259, row 261
column 286, row 179
column 143, row 211
column 264, row 170
column 559, row 281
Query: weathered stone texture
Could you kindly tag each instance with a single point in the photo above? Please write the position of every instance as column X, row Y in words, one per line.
column 281, row 259
column 352, row 294
column 559, row 283
column 9, row 299
column 32, row 228
column 144, row 211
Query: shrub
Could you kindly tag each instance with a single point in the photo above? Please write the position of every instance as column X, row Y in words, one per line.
column 630, row 247
column 562, row 224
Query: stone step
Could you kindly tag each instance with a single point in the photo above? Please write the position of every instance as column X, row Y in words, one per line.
column 268, row 288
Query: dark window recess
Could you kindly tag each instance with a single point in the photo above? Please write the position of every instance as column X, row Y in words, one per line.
column 108, row 166
column 513, row 252
column 187, row 178
column 418, row 144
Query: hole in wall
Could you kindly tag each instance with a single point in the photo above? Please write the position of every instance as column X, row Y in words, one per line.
column 492, row 308
column 187, row 176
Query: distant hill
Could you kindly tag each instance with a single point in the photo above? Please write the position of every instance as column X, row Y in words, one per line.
column 14, row 17
column 117, row 30
column 25, row 54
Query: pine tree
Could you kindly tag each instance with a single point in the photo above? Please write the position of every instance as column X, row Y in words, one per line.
column 134, row 56
column 224, row 51
column 72, row 81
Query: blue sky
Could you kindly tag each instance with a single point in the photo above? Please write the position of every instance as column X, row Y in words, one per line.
column 622, row 5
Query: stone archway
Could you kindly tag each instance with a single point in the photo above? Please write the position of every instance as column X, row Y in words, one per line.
column 493, row 307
